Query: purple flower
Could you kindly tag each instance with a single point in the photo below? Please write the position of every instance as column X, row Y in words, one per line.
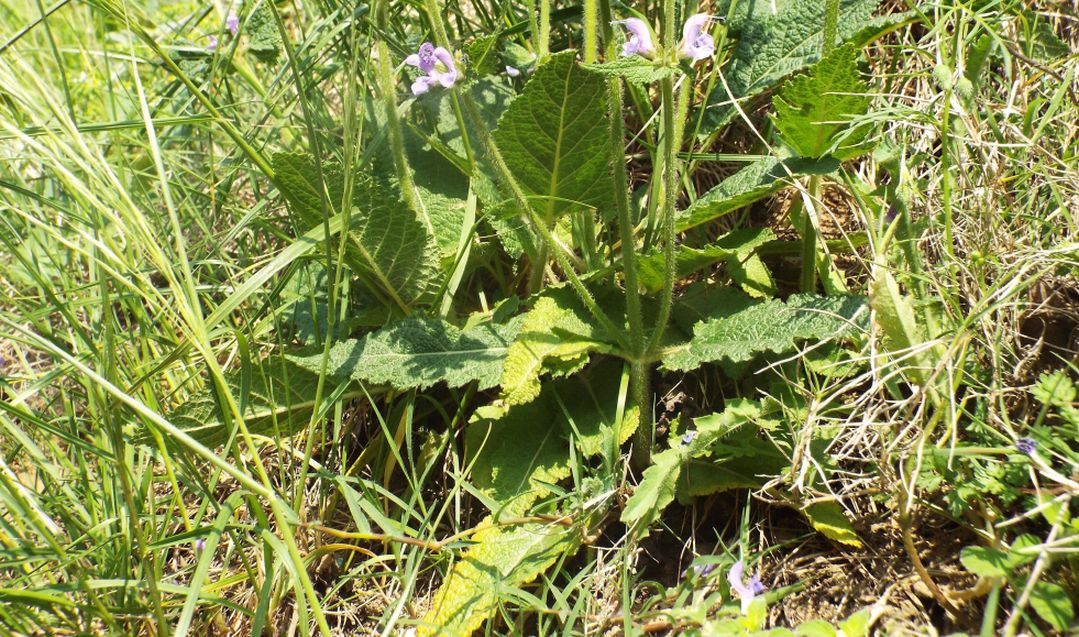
column 702, row 570
column 438, row 65
column 232, row 23
column 511, row 71
column 211, row 44
column 1026, row 445
column 200, row 544
column 696, row 44
column 748, row 591
column 689, row 437
column 640, row 38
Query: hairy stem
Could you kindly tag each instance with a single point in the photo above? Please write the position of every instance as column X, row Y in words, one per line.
column 831, row 20
column 809, row 239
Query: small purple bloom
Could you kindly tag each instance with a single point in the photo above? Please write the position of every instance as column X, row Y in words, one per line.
column 211, row 44
column 640, row 38
column 748, row 591
column 438, row 65
column 1026, row 445
column 512, row 72
column 696, row 43
column 200, row 544
column 232, row 23
column 689, row 437
column 702, row 570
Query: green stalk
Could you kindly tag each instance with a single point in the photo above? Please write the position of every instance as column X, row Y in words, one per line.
column 591, row 39
column 508, row 181
column 544, row 44
column 809, row 239
column 831, row 20
column 387, row 87
column 670, row 193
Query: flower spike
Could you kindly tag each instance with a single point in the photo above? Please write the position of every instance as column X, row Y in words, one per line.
column 696, row 43
column 232, row 23
column 640, row 38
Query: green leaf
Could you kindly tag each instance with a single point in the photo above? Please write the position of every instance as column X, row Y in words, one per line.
column 503, row 560
column 776, row 39
column 263, row 36
column 815, row 628
column 482, row 55
column 754, row 182
column 275, row 398
column 738, row 244
column 986, row 561
column 829, row 519
column 812, row 109
column 515, row 453
column 895, row 318
column 553, row 339
column 857, row 625
column 633, row 68
column 1054, row 388
column 553, row 138
column 388, row 242
column 657, row 488
column 418, row 352
column 1052, row 604
column 770, row 326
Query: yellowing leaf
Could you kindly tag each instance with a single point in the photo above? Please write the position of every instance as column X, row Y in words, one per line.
column 828, row 518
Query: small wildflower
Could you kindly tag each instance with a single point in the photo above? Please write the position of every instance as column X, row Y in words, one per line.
column 200, row 544
column 702, row 570
column 640, row 38
column 696, row 43
column 438, row 65
column 232, row 23
column 746, row 591
column 211, row 44
column 512, row 72
column 1026, row 445
column 689, row 437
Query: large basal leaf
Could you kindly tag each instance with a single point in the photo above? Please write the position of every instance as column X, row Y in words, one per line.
column 553, row 138
column 504, row 559
column 418, row 352
column 812, row 109
column 388, row 244
column 770, row 326
column 660, row 482
column 275, row 397
column 515, row 453
column 776, row 39
column 752, row 183
column 554, row 340
column 738, row 244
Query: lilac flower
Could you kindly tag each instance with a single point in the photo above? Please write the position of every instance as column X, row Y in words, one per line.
column 696, row 43
column 232, row 23
column 437, row 63
column 640, row 38
column 1026, row 445
column 689, row 437
column 702, row 570
column 211, row 44
column 511, row 71
column 748, row 591
column 200, row 544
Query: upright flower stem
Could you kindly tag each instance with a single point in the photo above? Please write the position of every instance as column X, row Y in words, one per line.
column 831, row 20
column 544, row 44
column 591, row 41
column 639, row 386
column 387, row 86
